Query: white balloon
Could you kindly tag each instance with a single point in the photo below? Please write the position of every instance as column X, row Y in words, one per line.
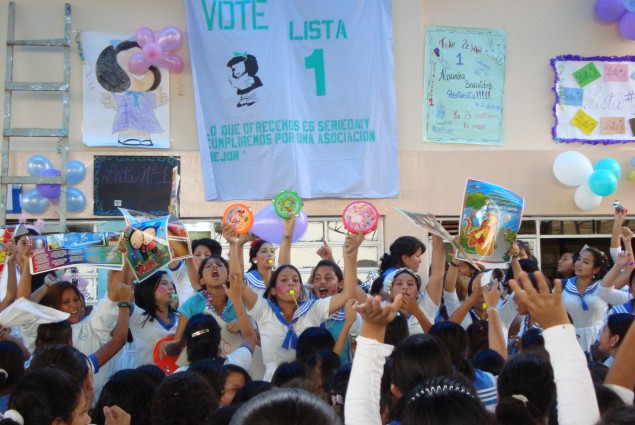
column 585, row 199
column 572, row 168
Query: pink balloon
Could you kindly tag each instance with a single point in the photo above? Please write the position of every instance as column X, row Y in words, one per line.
column 173, row 63
column 138, row 64
column 152, row 51
column 269, row 226
column 627, row 26
column 170, row 38
column 144, row 35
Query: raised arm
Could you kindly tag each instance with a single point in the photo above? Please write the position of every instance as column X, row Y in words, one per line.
column 284, row 256
column 192, row 274
column 349, row 318
column 364, row 388
column 235, row 294
column 577, row 404
column 12, row 284
column 620, row 215
column 325, row 252
column 435, row 282
column 495, row 333
column 24, row 287
column 123, row 292
column 623, row 258
column 515, row 264
column 460, row 314
column 249, row 297
column 350, row 250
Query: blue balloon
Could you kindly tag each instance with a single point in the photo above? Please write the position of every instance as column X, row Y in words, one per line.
column 75, row 200
column 36, row 164
column 33, row 203
column 75, row 172
column 633, row 161
column 609, row 164
column 602, row 182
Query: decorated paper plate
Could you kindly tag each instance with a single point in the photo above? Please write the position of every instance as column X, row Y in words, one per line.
column 240, row 216
column 360, row 217
column 167, row 363
column 287, row 204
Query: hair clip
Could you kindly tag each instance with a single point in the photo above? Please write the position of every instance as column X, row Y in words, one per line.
column 440, row 389
column 14, row 415
column 522, row 398
column 337, row 399
column 4, row 372
column 200, row 332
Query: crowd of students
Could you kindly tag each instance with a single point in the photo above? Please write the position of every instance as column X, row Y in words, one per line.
column 263, row 347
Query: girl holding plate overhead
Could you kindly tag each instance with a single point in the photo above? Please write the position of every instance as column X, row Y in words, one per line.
column 283, row 313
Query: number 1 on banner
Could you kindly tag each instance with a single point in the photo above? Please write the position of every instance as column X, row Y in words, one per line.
column 316, row 61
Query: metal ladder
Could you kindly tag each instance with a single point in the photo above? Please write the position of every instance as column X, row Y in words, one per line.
column 60, row 133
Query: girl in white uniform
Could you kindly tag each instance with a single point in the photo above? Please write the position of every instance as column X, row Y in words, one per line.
column 281, row 317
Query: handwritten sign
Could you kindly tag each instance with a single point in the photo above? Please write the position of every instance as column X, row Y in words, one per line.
column 616, row 72
column 134, row 182
column 584, row 122
column 595, row 99
column 572, row 96
column 587, row 74
column 464, row 82
column 613, row 125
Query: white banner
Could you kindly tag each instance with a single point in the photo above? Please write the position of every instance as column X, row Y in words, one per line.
column 296, row 95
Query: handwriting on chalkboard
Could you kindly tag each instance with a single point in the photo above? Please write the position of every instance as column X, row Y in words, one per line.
column 142, row 183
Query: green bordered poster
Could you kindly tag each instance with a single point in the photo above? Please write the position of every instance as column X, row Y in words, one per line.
column 464, row 80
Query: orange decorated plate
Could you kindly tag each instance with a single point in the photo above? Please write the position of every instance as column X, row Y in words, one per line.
column 239, row 216
column 167, row 363
column 360, row 217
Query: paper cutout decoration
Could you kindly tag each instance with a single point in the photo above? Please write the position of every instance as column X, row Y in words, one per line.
column 587, row 74
column 287, row 204
column 360, row 217
column 240, row 216
column 584, row 122
column 615, row 72
column 613, row 125
column 572, row 96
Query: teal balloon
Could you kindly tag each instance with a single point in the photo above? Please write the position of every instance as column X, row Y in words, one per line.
column 609, row 164
column 33, row 203
column 36, row 164
column 602, row 182
column 75, row 172
column 75, row 200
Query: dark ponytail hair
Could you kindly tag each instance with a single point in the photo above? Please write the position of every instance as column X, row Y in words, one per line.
column 43, row 395
column 201, row 338
column 404, row 245
column 253, row 252
column 454, row 337
column 526, row 390
column 619, row 323
column 11, row 363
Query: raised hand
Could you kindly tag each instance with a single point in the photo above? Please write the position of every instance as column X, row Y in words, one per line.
column 546, row 308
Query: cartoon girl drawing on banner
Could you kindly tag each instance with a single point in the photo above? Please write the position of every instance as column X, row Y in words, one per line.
column 133, row 97
column 244, row 68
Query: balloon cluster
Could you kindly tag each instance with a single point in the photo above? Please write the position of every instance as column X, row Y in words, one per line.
column 610, row 11
column 575, row 169
column 157, row 50
column 36, row 200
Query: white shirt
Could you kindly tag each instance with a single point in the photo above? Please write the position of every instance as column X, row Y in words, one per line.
column 429, row 309
column 240, row 357
column 273, row 332
column 587, row 322
column 181, row 280
column 147, row 334
column 577, row 404
column 362, row 396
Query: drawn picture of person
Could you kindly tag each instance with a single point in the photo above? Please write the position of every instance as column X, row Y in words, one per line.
column 244, row 68
column 136, row 241
column 133, row 97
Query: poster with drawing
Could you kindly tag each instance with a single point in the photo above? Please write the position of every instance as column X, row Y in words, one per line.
column 121, row 108
column 595, row 99
column 464, row 85
column 490, row 220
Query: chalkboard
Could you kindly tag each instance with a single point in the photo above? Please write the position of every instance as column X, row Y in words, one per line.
column 142, row 183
